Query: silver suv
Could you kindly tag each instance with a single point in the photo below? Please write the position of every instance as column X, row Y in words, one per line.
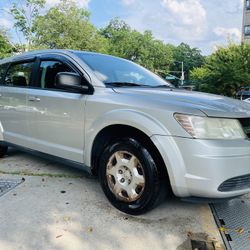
column 140, row 135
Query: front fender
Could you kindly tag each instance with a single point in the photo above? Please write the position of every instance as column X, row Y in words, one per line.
column 139, row 120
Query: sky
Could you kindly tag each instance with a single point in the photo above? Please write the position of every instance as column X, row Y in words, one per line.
column 204, row 24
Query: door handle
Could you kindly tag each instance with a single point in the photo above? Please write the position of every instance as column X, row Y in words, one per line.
column 34, row 99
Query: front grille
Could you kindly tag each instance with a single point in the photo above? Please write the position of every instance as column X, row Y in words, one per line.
column 234, row 184
column 245, row 122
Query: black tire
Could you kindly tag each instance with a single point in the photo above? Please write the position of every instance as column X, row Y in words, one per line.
column 3, row 151
column 155, row 188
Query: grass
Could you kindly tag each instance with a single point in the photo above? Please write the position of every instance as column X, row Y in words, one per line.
column 41, row 174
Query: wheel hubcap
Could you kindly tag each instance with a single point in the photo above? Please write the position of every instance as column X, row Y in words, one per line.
column 125, row 176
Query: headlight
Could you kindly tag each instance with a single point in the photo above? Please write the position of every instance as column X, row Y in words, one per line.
column 211, row 128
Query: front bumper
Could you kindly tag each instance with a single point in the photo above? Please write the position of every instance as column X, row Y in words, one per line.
column 199, row 167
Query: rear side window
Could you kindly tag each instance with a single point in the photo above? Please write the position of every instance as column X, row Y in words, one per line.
column 19, row 75
column 3, row 69
column 48, row 71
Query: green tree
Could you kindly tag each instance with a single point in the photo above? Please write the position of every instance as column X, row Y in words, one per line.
column 191, row 58
column 24, row 14
column 66, row 26
column 139, row 47
column 201, row 78
column 225, row 71
column 5, row 46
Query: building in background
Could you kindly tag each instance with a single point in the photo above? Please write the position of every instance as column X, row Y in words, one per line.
column 246, row 22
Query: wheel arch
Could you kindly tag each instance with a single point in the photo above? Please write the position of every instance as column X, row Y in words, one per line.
column 112, row 132
column 138, row 120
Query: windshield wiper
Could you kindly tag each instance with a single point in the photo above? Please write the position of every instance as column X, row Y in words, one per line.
column 132, row 84
column 126, row 84
column 163, row 86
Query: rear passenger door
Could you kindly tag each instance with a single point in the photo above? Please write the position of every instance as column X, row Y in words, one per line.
column 13, row 103
column 56, row 120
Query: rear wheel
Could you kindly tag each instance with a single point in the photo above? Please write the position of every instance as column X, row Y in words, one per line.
column 130, row 177
column 3, row 151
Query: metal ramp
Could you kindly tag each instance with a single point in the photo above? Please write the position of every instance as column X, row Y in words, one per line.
column 233, row 220
column 8, row 184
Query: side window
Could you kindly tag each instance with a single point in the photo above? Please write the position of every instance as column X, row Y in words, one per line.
column 247, row 30
column 48, row 71
column 19, row 74
column 3, row 69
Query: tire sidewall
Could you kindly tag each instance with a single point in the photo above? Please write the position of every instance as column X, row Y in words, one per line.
column 151, row 174
column 3, row 151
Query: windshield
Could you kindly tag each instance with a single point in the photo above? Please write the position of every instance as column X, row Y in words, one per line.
column 120, row 72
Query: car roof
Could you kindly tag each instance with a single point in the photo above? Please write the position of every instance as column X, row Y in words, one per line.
column 69, row 52
column 34, row 53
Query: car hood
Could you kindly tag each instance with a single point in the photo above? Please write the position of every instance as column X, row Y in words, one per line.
column 211, row 105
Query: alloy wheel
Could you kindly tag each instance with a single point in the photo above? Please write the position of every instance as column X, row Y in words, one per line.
column 125, row 176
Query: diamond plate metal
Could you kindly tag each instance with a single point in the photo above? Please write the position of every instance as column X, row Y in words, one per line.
column 235, row 215
column 8, row 184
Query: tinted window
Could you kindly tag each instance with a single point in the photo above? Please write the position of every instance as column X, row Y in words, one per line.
column 111, row 69
column 3, row 69
column 19, row 74
column 248, row 4
column 247, row 30
column 48, row 71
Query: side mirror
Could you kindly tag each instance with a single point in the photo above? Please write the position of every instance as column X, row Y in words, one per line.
column 70, row 81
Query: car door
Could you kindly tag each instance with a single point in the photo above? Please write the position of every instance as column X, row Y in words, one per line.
column 56, row 117
column 3, row 69
column 13, row 102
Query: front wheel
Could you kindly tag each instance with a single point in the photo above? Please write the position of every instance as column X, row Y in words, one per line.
column 130, row 177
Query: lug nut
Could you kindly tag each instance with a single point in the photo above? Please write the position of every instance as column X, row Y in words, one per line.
column 120, row 172
column 122, row 180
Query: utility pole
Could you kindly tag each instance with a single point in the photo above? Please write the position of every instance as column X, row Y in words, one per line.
column 182, row 78
column 182, row 73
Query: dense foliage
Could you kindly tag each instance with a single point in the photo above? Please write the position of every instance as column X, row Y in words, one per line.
column 191, row 57
column 67, row 27
column 5, row 46
column 225, row 71
column 138, row 47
